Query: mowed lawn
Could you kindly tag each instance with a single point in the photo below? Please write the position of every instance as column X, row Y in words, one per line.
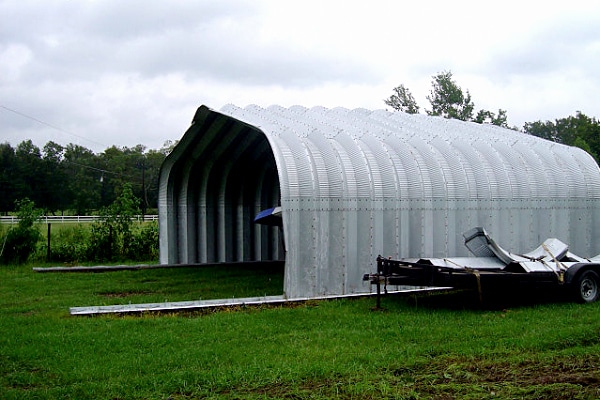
column 419, row 347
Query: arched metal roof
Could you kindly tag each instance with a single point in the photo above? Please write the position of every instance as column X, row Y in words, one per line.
column 353, row 184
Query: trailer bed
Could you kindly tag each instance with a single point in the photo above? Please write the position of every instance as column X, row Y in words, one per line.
column 492, row 267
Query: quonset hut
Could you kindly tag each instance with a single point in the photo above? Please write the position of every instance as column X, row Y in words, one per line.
column 353, row 184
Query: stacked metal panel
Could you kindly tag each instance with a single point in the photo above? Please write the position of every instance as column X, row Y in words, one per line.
column 354, row 184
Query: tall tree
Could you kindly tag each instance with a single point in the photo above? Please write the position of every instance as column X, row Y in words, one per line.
column 54, row 177
column 578, row 130
column 488, row 117
column 153, row 161
column 127, row 166
column 112, row 235
column 139, row 168
column 85, row 178
column 448, row 100
column 20, row 241
column 402, row 100
column 29, row 178
column 168, row 147
column 8, row 177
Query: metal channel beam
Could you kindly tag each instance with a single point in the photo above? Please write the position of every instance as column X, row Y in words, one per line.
column 197, row 305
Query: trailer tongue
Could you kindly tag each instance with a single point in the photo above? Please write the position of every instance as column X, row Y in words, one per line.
column 551, row 264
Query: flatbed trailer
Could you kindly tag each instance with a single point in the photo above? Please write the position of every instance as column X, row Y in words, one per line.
column 493, row 268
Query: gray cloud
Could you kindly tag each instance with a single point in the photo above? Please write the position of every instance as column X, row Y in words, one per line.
column 562, row 46
column 128, row 72
column 86, row 40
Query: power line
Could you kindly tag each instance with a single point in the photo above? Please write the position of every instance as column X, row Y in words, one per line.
column 105, row 171
column 50, row 125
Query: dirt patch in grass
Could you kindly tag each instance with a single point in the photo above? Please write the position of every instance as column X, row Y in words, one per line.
column 575, row 378
column 446, row 378
column 584, row 370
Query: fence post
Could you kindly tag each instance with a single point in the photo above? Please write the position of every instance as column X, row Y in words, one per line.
column 49, row 252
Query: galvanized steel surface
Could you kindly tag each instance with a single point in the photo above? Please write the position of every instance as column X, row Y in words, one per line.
column 353, row 184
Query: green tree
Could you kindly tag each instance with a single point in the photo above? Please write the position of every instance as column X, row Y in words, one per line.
column 578, row 130
column 20, row 242
column 485, row 116
column 402, row 100
column 153, row 161
column 112, row 235
column 29, row 180
column 545, row 130
column 448, row 100
column 139, row 168
column 8, row 176
column 168, row 147
column 582, row 144
column 54, row 177
column 84, row 179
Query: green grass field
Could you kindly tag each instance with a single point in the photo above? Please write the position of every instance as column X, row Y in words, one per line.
column 425, row 347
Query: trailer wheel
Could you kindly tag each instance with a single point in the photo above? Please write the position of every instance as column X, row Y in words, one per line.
column 586, row 287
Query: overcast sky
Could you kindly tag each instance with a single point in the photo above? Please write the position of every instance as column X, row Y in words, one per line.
column 103, row 73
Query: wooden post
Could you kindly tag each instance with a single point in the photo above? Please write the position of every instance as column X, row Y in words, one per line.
column 379, row 274
column 378, row 306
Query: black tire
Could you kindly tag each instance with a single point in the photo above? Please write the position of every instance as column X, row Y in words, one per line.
column 587, row 287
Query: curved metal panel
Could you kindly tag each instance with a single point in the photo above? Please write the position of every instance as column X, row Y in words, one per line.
column 353, row 184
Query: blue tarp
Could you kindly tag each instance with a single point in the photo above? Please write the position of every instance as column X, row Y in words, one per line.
column 270, row 216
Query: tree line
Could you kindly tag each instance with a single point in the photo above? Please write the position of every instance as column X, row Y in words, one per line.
column 73, row 179
column 448, row 100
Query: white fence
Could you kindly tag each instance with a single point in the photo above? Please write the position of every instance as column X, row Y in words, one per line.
column 69, row 219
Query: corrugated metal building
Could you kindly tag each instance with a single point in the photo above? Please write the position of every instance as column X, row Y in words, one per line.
column 353, row 184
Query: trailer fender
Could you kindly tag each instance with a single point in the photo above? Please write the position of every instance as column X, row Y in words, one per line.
column 573, row 272
column 583, row 281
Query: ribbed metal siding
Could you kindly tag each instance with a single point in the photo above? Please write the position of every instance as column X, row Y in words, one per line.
column 357, row 183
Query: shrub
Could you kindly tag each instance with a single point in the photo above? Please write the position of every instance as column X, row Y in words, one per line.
column 20, row 241
column 70, row 244
column 115, row 237
column 102, row 245
column 92, row 243
column 144, row 243
column 112, row 235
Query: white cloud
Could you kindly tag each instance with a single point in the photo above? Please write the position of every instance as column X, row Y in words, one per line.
column 132, row 72
column 13, row 58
